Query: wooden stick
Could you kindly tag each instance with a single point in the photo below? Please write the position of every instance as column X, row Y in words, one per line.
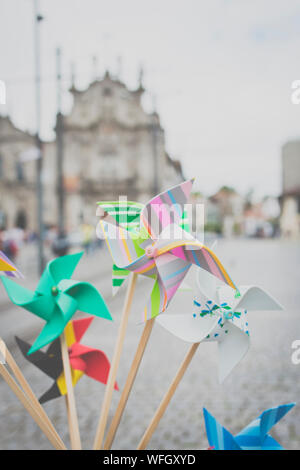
column 129, row 383
column 115, row 364
column 27, row 405
column 71, row 408
column 167, row 398
column 31, row 396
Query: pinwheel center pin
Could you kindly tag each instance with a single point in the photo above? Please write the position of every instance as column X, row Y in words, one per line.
column 54, row 291
column 151, row 251
column 229, row 314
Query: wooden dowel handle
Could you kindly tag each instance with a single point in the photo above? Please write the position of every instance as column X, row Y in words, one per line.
column 115, row 363
column 129, row 383
column 71, row 408
column 27, row 405
column 30, row 394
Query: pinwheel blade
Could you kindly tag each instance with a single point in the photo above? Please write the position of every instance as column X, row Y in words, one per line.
column 269, row 444
column 187, row 327
column 80, row 326
column 56, row 270
column 7, row 267
column 158, row 301
column 51, row 394
column 218, row 436
column 67, row 304
column 93, row 362
column 232, row 348
column 255, row 435
column 50, row 364
column 123, row 245
column 192, row 251
column 42, row 306
column 171, row 272
column 119, row 275
column 87, row 298
column 255, row 298
column 52, row 330
column 127, row 215
column 166, row 208
column 208, row 285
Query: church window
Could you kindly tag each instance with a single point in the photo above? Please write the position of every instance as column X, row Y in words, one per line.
column 107, row 91
column 20, row 171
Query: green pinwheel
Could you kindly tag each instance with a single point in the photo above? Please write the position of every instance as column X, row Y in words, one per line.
column 56, row 298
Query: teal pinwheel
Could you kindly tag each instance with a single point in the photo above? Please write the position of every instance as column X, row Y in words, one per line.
column 57, row 298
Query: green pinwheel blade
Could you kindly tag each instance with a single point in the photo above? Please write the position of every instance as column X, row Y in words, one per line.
column 65, row 308
column 52, row 330
column 40, row 305
column 67, row 304
column 87, row 296
column 56, row 270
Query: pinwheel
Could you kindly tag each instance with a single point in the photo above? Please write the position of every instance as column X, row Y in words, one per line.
column 255, row 436
column 57, row 298
column 7, row 267
column 83, row 360
column 221, row 317
column 162, row 249
column 126, row 214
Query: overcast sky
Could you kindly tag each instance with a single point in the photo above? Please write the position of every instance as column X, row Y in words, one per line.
column 221, row 71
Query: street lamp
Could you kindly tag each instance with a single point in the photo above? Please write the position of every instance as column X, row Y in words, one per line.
column 39, row 162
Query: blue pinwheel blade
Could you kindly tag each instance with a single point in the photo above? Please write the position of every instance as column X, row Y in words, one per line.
column 218, row 436
column 270, row 444
column 270, row 417
column 255, row 435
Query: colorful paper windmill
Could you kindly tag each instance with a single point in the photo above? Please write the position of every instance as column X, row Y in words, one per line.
column 57, row 297
column 220, row 317
column 253, row 437
column 7, row 267
column 83, row 360
column 162, row 249
column 126, row 214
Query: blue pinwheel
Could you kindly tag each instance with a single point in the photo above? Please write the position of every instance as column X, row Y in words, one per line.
column 255, row 436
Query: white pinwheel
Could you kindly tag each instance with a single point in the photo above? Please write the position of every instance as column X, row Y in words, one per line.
column 222, row 316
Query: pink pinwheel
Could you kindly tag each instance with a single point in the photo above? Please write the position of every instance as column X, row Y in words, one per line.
column 162, row 248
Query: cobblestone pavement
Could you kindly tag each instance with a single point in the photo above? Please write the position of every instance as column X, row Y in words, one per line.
column 265, row 377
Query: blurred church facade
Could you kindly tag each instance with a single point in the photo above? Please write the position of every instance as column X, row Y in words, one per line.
column 112, row 147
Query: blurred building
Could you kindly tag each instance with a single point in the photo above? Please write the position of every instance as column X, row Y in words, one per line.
column 17, row 180
column 260, row 219
column 111, row 147
column 226, row 211
column 290, row 198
